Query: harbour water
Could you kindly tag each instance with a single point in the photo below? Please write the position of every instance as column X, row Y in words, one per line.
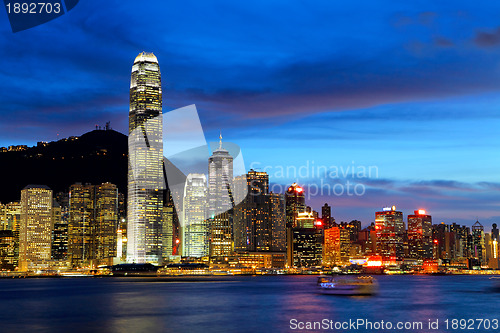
column 239, row 304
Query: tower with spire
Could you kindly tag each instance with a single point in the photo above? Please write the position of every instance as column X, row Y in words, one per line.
column 220, row 184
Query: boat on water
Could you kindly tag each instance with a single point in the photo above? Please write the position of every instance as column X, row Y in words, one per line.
column 347, row 285
column 496, row 283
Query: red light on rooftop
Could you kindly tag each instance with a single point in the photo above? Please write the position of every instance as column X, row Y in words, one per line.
column 299, row 189
column 421, row 212
column 318, row 223
column 435, row 241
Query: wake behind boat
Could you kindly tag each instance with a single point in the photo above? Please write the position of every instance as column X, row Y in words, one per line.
column 347, row 285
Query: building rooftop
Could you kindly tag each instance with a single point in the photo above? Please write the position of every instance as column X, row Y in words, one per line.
column 146, row 57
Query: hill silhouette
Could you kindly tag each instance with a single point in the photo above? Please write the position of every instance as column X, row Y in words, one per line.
column 95, row 157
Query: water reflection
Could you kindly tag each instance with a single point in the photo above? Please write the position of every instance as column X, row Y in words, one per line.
column 243, row 304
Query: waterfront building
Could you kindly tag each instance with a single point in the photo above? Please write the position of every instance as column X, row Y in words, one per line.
column 8, row 259
column 478, row 245
column 145, row 175
column 60, row 234
column 93, row 222
column 326, row 215
column 195, row 228
column 420, row 235
column 331, row 254
column 35, row 228
column 390, row 228
column 220, row 201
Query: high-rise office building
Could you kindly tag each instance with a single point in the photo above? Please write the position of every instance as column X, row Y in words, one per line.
column 277, row 216
column 478, row 244
column 81, row 225
column 331, row 250
column 195, row 226
column 7, row 250
column 252, row 227
column 259, row 220
column 326, row 215
column 462, row 237
column 390, row 228
column 10, row 216
column 169, row 241
column 220, row 201
column 444, row 242
column 420, row 235
column 93, row 222
column 106, row 216
column 35, row 230
column 145, row 176
column 295, row 203
column 60, row 234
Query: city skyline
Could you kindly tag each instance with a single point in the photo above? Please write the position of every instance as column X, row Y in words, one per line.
column 426, row 96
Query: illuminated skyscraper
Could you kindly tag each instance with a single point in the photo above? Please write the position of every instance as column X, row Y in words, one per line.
column 7, row 250
column 81, row 225
column 478, row 245
column 10, row 216
column 195, row 226
column 106, row 215
column 220, row 201
column 93, row 222
column 390, row 229
column 168, row 244
column 278, row 222
column 35, row 230
column 326, row 215
column 259, row 220
column 420, row 235
column 145, row 176
column 306, row 249
column 331, row 253
column 295, row 203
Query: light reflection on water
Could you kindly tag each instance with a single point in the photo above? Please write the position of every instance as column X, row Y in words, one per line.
column 242, row 304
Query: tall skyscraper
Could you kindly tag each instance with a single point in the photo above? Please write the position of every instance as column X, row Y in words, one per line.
column 10, row 216
column 295, row 201
column 35, row 231
column 420, row 235
column 195, row 226
column 93, row 222
column 326, row 215
column 106, row 216
column 331, row 252
column 60, row 234
column 81, row 225
column 220, row 201
column 390, row 229
column 278, row 222
column 478, row 246
column 145, row 176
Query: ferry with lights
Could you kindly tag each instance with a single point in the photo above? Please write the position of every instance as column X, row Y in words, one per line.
column 347, row 285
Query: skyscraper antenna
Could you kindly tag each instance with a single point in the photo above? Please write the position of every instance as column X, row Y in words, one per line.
column 220, row 140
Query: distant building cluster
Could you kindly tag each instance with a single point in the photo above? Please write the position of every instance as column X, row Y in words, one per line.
column 68, row 230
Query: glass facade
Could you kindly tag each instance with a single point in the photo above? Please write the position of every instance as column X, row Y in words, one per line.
column 195, row 224
column 145, row 176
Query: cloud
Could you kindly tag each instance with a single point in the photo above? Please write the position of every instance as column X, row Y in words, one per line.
column 445, row 200
column 443, row 42
column 487, row 39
